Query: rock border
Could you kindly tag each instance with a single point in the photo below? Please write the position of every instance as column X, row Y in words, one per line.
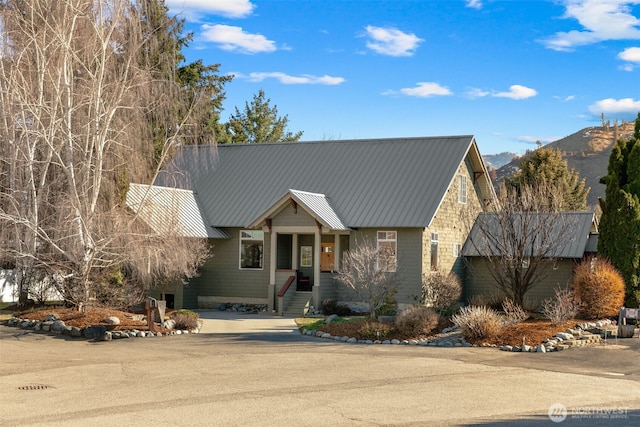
column 584, row 334
column 55, row 326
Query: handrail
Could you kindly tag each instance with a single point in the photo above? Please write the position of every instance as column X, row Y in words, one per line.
column 286, row 286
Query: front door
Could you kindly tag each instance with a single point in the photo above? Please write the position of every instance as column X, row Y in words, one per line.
column 327, row 262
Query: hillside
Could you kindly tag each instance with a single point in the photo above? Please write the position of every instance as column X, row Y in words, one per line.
column 587, row 151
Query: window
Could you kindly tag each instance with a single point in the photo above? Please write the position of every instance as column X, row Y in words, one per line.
column 456, row 249
column 306, row 256
column 251, row 248
column 387, row 245
column 462, row 189
column 434, row 251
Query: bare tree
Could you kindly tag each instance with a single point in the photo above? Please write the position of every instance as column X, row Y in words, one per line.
column 369, row 271
column 73, row 136
column 524, row 235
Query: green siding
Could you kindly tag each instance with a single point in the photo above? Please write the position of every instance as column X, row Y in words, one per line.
column 480, row 282
column 221, row 275
column 289, row 217
column 409, row 253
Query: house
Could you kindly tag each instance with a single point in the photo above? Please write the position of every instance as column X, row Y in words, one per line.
column 558, row 240
column 280, row 216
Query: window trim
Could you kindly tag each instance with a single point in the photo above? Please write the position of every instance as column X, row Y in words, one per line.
column 463, row 189
column 252, row 239
column 393, row 241
column 457, row 248
column 435, row 238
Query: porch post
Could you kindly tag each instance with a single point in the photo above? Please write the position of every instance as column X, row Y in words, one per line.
column 336, row 252
column 272, row 272
column 316, row 267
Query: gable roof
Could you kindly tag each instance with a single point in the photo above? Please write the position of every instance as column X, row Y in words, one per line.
column 398, row 182
column 581, row 225
column 169, row 210
column 317, row 205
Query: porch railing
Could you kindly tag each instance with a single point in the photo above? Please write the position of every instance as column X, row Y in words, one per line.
column 283, row 295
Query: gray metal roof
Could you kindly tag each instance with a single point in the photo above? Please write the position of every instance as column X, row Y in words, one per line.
column 316, row 204
column 397, row 182
column 579, row 230
column 167, row 210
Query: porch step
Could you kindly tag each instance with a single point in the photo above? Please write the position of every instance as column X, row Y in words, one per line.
column 298, row 305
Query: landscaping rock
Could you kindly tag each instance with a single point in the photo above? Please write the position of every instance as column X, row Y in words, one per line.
column 112, row 320
column 51, row 317
column 57, row 326
column 330, row 318
column 625, row 331
column 541, row 349
column 95, row 332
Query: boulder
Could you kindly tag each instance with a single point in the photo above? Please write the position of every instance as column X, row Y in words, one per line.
column 51, row 317
column 625, row 331
column 57, row 326
column 112, row 320
column 95, row 332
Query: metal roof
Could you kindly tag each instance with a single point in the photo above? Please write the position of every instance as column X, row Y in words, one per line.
column 397, row 182
column 168, row 210
column 579, row 232
column 317, row 205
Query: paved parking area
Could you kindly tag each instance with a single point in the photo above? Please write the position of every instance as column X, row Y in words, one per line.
column 258, row 370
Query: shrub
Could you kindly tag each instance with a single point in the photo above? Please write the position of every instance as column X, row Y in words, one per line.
column 492, row 300
column 515, row 314
column 330, row 306
column 416, row 321
column 599, row 287
column 185, row 319
column 563, row 307
column 440, row 289
column 389, row 305
column 478, row 322
column 375, row 330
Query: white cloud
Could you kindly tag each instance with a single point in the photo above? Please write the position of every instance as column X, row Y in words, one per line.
column 517, row 92
column 474, row 4
column 477, row 93
column 631, row 54
column 194, row 10
column 234, row 39
column 615, row 106
column 304, row 79
column 600, row 19
column 392, row 42
column 422, row 90
column 565, row 98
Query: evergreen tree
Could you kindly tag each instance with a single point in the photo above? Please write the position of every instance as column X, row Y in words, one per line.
column 190, row 93
column 546, row 166
column 619, row 239
column 258, row 123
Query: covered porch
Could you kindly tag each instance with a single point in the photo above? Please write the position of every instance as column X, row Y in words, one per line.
column 306, row 242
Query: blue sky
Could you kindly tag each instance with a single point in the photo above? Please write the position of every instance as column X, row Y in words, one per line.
column 508, row 72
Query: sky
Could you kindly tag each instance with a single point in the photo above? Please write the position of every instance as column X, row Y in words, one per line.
column 509, row 72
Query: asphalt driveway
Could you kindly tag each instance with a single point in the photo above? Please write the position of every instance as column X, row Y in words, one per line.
column 258, row 370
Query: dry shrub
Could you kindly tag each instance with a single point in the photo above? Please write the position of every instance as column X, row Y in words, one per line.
column 563, row 307
column 492, row 299
column 372, row 330
column 440, row 289
column 478, row 322
column 416, row 321
column 515, row 314
column 599, row 287
column 185, row 319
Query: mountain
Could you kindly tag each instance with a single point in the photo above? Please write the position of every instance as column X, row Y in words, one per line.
column 587, row 151
column 496, row 161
